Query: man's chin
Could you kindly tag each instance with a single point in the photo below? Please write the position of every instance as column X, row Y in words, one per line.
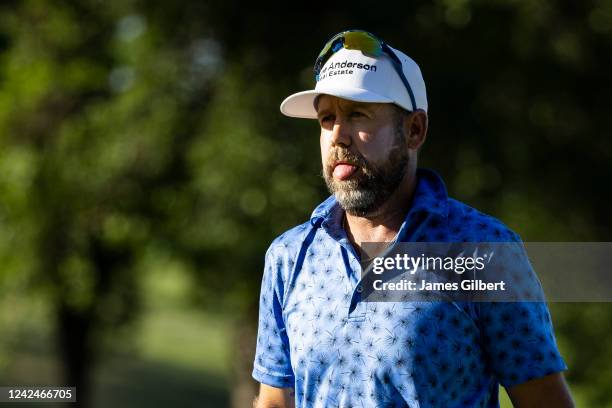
column 358, row 203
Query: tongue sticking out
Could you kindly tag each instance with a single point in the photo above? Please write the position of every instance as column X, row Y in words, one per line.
column 343, row 171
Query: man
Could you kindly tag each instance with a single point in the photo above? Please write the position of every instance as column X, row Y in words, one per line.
column 319, row 344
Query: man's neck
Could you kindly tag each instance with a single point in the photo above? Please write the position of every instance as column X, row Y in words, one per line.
column 385, row 223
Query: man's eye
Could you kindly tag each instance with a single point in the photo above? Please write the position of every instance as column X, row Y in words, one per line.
column 326, row 118
column 356, row 114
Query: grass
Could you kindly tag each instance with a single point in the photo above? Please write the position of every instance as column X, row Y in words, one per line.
column 175, row 355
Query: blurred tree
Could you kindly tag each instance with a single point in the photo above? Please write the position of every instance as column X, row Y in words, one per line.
column 130, row 127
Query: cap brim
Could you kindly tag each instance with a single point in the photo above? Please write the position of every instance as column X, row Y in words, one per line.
column 301, row 104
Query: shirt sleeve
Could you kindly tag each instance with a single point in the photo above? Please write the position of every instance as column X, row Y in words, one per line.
column 272, row 364
column 518, row 336
column 519, row 341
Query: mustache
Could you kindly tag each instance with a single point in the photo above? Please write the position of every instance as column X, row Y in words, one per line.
column 345, row 155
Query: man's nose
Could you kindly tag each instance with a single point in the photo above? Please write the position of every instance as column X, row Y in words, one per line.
column 341, row 133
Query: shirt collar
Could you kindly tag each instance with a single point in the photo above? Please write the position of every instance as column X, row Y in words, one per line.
column 430, row 196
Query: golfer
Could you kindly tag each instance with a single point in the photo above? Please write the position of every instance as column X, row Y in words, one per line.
column 319, row 344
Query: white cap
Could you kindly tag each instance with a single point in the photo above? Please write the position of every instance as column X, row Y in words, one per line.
column 352, row 75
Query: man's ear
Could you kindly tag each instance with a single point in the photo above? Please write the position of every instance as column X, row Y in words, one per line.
column 415, row 128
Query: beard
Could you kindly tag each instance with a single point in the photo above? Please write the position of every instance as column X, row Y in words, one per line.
column 370, row 185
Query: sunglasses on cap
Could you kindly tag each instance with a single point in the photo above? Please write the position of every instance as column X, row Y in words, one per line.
column 367, row 43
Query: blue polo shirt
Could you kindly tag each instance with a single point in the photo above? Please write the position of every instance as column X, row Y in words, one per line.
column 317, row 336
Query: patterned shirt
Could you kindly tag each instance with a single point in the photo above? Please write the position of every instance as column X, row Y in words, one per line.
column 317, row 336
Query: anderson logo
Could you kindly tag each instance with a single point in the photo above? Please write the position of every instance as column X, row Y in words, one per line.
column 344, row 68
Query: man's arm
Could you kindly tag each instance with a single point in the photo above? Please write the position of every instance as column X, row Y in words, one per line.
column 272, row 397
column 549, row 391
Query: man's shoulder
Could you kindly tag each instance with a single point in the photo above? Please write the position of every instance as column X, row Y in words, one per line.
column 284, row 250
column 290, row 241
column 469, row 224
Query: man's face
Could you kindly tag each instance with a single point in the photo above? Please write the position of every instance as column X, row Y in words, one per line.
column 364, row 152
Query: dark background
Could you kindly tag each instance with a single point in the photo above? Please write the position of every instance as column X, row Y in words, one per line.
column 145, row 168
